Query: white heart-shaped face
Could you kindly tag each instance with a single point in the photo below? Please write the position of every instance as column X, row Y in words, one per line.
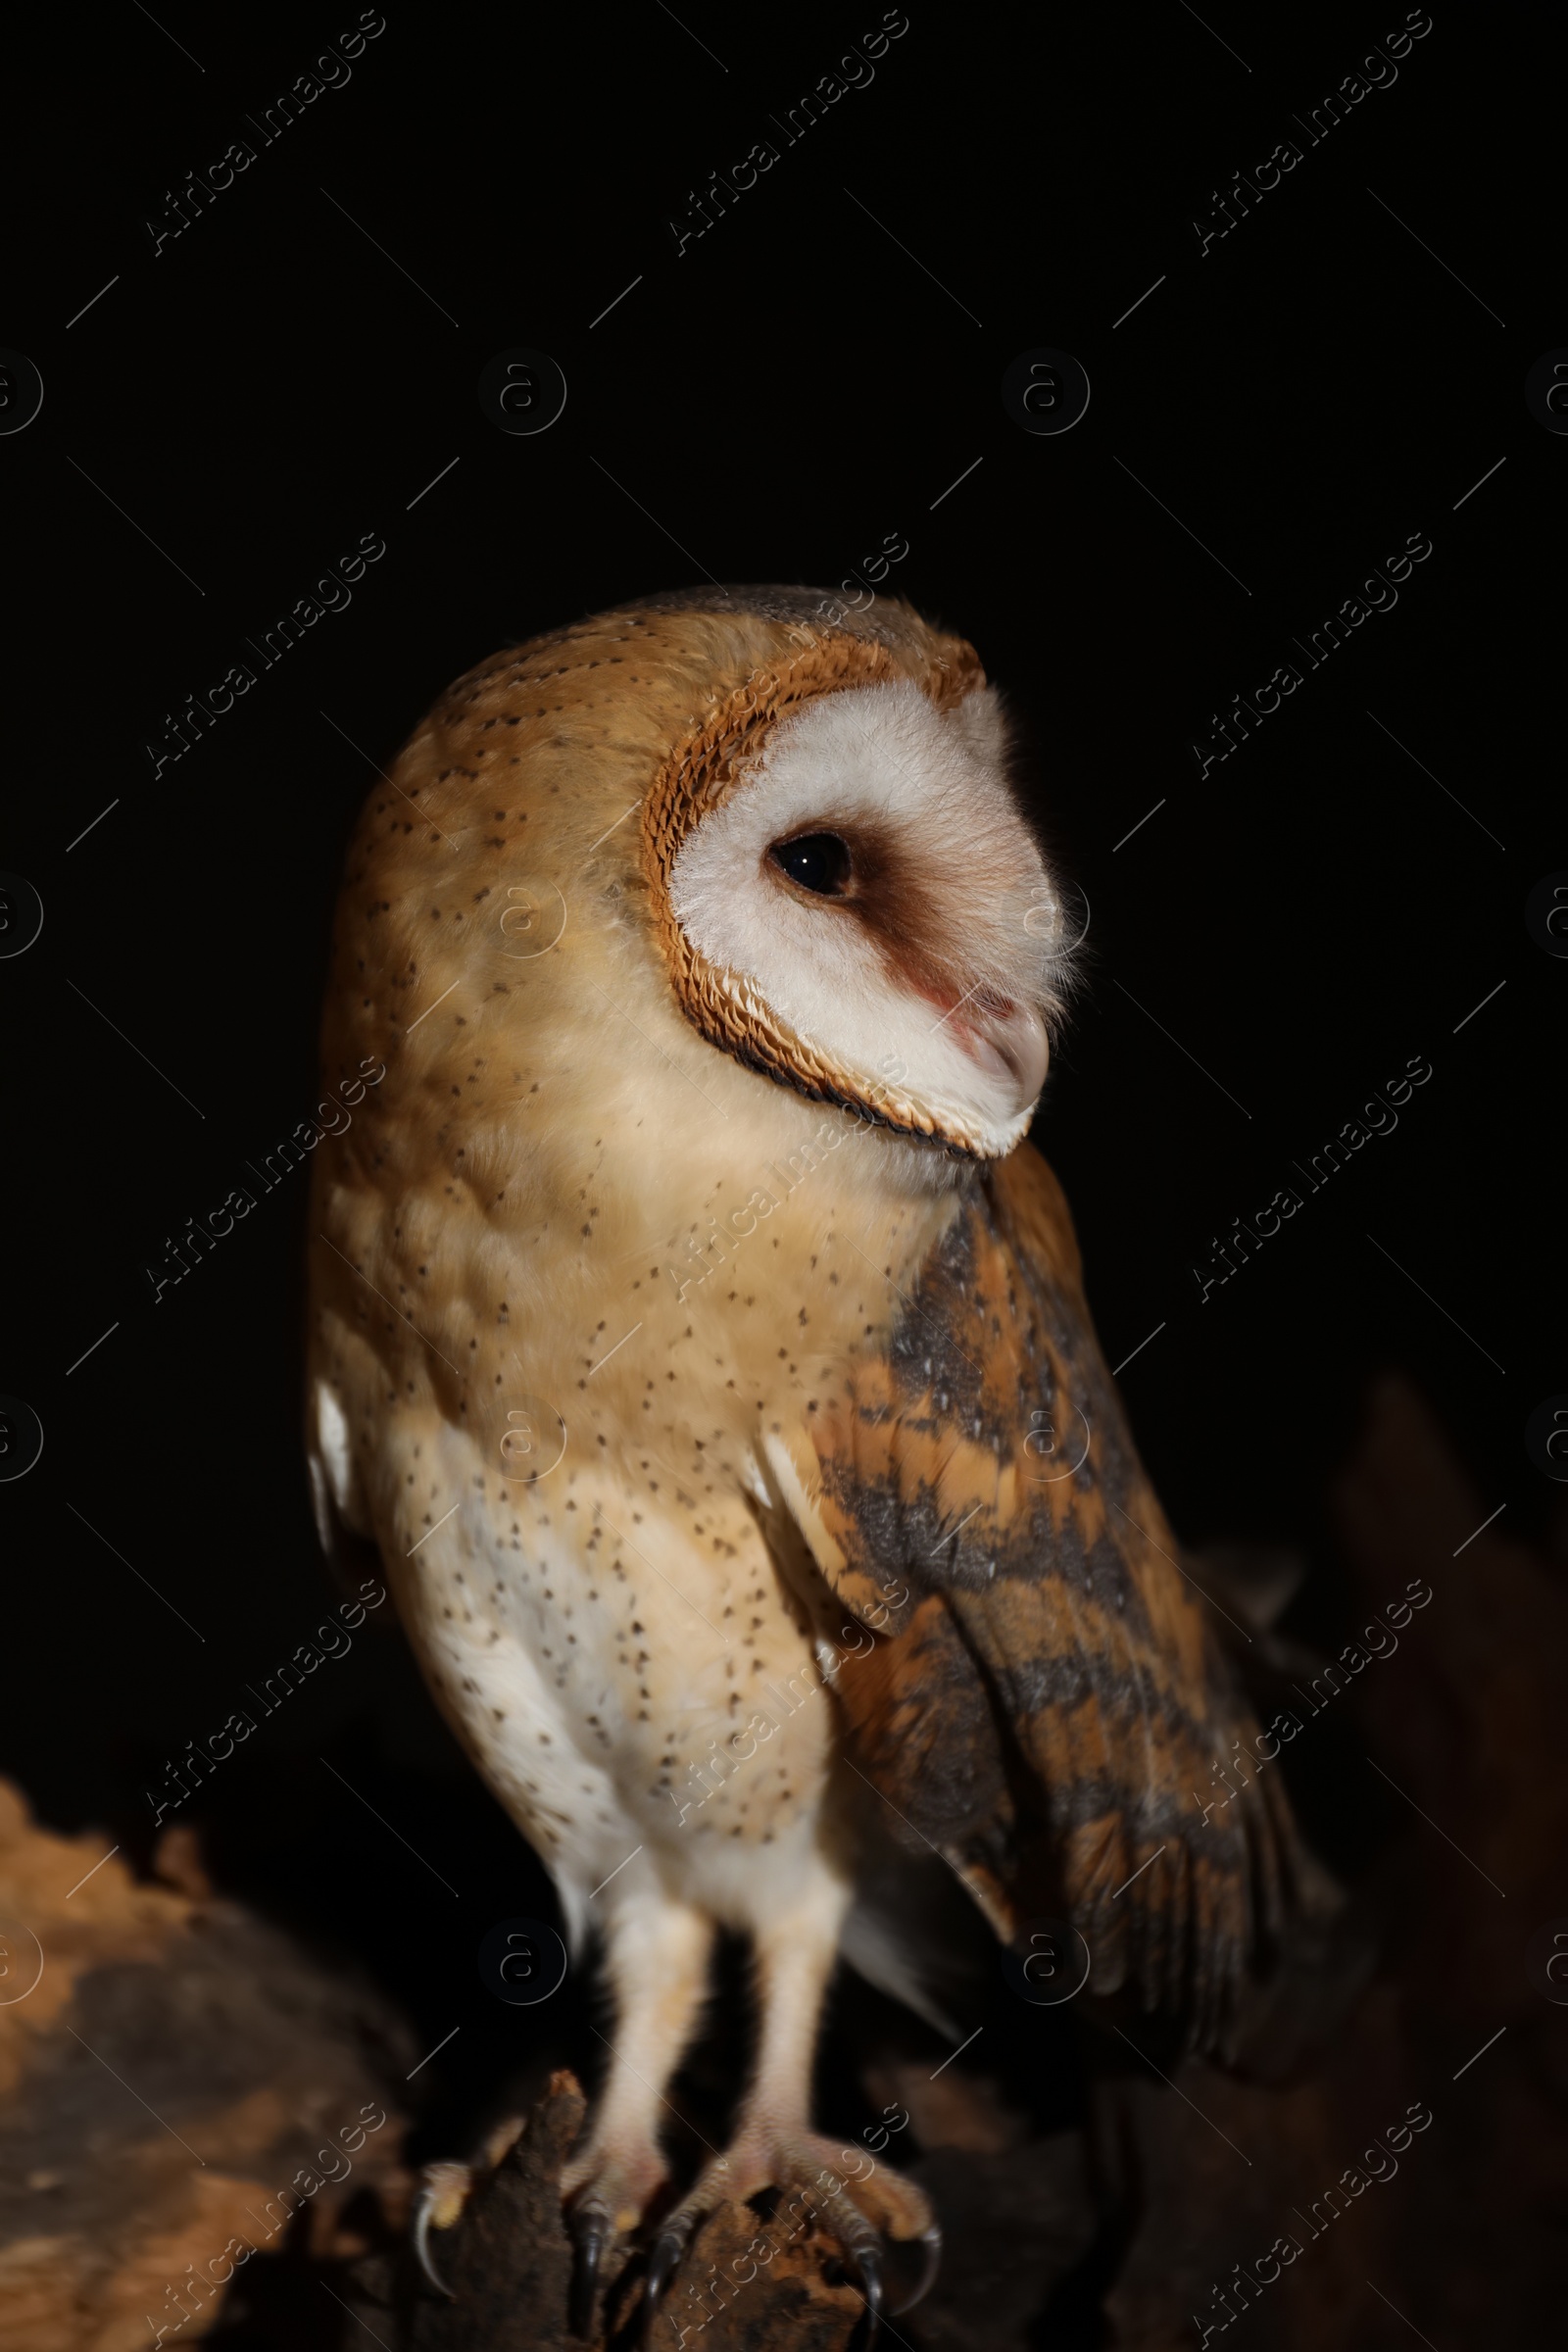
column 871, row 882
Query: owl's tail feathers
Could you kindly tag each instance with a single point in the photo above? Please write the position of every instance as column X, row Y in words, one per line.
column 913, row 1931
column 875, row 1944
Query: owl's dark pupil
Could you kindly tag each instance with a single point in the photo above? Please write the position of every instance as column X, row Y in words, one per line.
column 818, row 861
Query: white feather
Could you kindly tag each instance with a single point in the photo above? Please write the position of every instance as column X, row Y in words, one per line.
column 936, row 782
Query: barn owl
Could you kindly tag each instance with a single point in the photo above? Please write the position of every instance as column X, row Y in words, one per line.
column 705, row 1350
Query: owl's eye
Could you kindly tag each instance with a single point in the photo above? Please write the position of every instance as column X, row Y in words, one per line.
column 818, row 861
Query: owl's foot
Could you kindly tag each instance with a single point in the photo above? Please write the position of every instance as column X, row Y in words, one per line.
column 444, row 2190
column 863, row 2210
column 606, row 2191
column 443, row 2193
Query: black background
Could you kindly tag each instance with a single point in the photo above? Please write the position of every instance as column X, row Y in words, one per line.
column 766, row 405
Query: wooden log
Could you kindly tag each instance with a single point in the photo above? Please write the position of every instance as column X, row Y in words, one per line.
column 184, row 2096
column 1267, row 2207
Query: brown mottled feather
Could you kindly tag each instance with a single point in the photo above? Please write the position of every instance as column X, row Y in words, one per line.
column 1049, row 1702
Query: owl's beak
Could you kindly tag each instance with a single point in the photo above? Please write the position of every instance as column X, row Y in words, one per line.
column 1011, row 1044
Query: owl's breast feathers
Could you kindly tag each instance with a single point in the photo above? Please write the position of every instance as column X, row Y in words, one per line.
column 1048, row 1701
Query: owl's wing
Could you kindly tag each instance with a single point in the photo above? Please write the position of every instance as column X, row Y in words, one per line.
column 1044, row 1701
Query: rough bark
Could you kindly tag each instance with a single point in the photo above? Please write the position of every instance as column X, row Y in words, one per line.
column 175, row 2076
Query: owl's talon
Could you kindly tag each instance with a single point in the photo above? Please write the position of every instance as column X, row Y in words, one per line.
column 864, row 2266
column 593, row 2228
column 664, row 2262
column 930, row 2245
column 443, row 2193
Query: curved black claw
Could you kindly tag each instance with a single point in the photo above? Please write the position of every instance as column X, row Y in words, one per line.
column 593, row 2228
column 423, row 2211
column 864, row 2264
column 929, row 2242
column 664, row 2262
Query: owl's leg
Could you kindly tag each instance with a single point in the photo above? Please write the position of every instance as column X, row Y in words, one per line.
column 657, row 1956
column 856, row 2199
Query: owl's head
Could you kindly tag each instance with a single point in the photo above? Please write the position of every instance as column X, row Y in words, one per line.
column 829, row 878
column 849, row 896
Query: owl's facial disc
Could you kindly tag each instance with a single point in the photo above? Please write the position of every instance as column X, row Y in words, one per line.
column 869, row 884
